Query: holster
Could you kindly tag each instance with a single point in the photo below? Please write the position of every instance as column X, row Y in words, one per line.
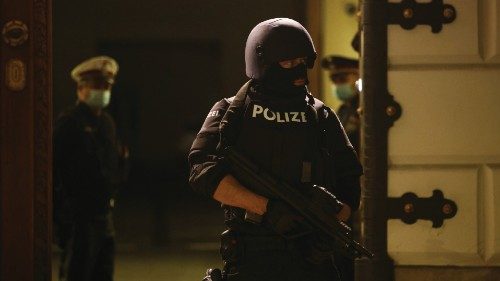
column 214, row 274
column 231, row 250
column 231, row 247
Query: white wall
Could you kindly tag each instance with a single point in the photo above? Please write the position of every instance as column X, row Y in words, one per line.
column 338, row 29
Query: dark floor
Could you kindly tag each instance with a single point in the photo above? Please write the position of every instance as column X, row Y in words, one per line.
column 170, row 234
column 172, row 264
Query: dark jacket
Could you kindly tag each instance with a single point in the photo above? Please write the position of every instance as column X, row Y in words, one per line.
column 349, row 117
column 86, row 162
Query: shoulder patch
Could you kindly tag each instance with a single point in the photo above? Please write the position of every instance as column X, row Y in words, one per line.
column 211, row 124
column 219, row 108
column 229, row 100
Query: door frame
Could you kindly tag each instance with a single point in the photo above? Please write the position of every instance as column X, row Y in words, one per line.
column 375, row 121
column 42, row 90
column 26, row 146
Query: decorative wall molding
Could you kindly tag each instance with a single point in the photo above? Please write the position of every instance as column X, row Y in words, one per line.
column 42, row 100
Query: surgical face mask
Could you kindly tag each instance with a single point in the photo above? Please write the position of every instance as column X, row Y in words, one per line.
column 98, row 98
column 343, row 92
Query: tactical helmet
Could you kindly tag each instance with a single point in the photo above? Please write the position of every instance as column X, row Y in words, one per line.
column 275, row 40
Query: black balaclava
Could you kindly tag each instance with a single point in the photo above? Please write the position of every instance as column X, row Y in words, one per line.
column 279, row 81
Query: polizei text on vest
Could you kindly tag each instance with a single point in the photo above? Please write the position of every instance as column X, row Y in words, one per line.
column 279, row 117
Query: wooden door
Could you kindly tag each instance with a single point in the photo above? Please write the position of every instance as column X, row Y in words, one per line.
column 25, row 143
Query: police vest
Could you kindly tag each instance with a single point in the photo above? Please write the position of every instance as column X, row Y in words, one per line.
column 283, row 136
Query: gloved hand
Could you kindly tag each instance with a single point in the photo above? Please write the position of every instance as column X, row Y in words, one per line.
column 284, row 220
column 325, row 199
column 329, row 202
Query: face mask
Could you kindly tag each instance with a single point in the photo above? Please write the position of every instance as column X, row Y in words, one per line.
column 98, row 98
column 281, row 79
column 344, row 92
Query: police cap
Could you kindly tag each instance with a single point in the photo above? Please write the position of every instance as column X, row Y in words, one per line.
column 101, row 69
column 339, row 64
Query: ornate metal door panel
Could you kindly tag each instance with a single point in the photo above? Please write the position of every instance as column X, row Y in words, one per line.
column 448, row 136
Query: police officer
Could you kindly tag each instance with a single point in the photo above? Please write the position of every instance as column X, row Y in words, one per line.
column 279, row 129
column 344, row 72
column 87, row 165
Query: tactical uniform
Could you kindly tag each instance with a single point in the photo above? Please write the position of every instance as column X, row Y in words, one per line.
column 339, row 66
column 87, row 169
column 349, row 117
column 289, row 133
column 347, row 112
column 282, row 142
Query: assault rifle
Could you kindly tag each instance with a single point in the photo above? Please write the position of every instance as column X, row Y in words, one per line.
column 335, row 232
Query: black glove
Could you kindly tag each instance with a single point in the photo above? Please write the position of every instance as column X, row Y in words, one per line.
column 324, row 198
column 284, row 220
